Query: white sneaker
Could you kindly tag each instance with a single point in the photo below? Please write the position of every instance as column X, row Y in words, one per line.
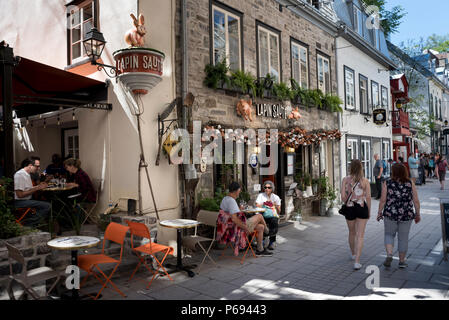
column 357, row 266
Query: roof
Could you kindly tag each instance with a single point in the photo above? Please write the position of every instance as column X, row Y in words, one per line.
column 39, row 88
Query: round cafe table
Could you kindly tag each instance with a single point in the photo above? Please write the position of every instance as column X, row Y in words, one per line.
column 73, row 243
column 179, row 225
column 252, row 211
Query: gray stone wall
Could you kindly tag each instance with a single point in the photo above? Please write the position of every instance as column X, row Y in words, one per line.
column 219, row 106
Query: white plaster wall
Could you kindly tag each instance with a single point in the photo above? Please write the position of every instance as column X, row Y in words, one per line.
column 108, row 140
column 35, row 29
column 353, row 123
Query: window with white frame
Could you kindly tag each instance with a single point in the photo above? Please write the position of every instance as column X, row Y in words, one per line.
column 365, row 158
column 384, row 98
column 349, row 88
column 269, row 55
column 323, row 72
column 226, row 44
column 358, row 21
column 363, row 91
column 81, row 20
column 351, row 151
column 300, row 65
column 375, row 101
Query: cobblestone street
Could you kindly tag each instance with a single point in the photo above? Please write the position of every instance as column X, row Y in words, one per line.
column 312, row 261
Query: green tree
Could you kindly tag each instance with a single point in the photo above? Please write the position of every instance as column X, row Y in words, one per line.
column 438, row 43
column 390, row 19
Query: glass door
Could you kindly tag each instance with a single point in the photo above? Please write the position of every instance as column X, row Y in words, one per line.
column 365, row 157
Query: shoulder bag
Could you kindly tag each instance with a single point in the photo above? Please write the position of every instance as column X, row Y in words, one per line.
column 344, row 208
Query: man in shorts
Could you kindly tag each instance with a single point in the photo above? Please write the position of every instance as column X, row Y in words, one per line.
column 256, row 222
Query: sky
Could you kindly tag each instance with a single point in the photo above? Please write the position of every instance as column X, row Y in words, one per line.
column 422, row 20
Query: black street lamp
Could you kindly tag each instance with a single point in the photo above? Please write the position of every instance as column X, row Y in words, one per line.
column 94, row 43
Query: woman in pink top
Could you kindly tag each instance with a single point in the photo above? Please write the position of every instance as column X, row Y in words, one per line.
column 359, row 207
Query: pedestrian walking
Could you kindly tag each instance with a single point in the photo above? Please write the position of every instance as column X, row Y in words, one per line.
column 440, row 170
column 431, row 165
column 413, row 164
column 356, row 193
column 398, row 207
column 377, row 171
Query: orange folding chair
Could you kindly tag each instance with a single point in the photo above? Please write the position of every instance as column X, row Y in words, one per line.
column 141, row 230
column 252, row 236
column 116, row 233
column 22, row 212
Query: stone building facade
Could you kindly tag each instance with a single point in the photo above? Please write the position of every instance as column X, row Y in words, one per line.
column 302, row 27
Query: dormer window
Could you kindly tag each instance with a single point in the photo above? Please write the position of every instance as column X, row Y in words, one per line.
column 315, row 3
column 359, row 20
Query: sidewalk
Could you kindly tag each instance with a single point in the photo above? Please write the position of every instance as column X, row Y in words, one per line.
column 312, row 261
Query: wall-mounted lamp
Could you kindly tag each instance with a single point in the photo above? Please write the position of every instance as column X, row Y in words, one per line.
column 445, row 122
column 256, row 149
column 94, row 43
column 289, row 150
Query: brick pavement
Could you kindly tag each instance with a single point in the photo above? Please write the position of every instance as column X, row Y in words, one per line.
column 312, row 261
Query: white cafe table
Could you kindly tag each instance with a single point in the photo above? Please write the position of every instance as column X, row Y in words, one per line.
column 179, row 225
column 73, row 243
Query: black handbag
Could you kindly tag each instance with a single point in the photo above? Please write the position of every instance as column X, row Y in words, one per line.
column 344, row 208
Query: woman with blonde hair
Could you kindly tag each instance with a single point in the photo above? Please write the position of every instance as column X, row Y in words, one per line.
column 356, row 193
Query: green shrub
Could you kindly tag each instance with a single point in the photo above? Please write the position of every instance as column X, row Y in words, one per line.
column 282, row 91
column 8, row 226
column 244, row 81
column 332, row 103
column 216, row 75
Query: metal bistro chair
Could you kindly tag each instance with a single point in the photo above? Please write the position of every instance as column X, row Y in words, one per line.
column 97, row 183
column 208, row 218
column 28, row 277
column 23, row 212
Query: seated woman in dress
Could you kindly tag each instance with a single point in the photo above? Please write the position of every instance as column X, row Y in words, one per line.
column 232, row 225
column 80, row 180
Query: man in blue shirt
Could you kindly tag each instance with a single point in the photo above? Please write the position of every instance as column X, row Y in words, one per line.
column 413, row 164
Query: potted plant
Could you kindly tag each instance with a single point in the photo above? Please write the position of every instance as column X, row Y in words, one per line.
column 297, row 93
column 332, row 196
column 266, row 86
column 315, row 186
column 332, row 103
column 244, row 81
column 281, row 91
column 217, row 75
column 308, row 184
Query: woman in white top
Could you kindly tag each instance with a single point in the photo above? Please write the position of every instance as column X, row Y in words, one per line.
column 359, row 206
column 269, row 199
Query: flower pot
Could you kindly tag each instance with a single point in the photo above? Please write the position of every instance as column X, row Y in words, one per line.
column 332, row 211
column 315, row 188
column 323, row 207
column 304, row 194
column 309, row 191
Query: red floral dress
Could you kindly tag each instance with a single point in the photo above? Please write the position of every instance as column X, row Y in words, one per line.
column 228, row 231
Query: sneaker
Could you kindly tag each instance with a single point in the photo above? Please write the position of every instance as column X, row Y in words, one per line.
column 387, row 262
column 263, row 253
column 271, row 246
column 357, row 266
column 403, row 265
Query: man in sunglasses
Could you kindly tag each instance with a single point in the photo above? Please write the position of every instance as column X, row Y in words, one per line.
column 24, row 189
column 272, row 205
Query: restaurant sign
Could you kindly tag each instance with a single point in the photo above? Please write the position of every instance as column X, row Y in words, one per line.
column 276, row 111
column 139, row 68
column 379, row 116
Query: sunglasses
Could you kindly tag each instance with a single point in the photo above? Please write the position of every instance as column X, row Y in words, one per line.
column 267, row 187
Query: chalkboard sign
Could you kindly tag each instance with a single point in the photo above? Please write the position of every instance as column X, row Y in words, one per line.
column 445, row 225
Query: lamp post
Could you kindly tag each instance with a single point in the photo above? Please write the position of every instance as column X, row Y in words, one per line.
column 94, row 43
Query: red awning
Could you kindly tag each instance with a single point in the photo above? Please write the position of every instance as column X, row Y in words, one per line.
column 40, row 88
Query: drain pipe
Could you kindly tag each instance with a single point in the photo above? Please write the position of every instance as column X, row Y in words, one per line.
column 340, row 116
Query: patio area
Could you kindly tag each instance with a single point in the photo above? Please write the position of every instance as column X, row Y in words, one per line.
column 311, row 261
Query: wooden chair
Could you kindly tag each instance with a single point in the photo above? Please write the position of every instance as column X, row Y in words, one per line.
column 27, row 278
column 141, row 230
column 208, row 218
column 116, row 233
